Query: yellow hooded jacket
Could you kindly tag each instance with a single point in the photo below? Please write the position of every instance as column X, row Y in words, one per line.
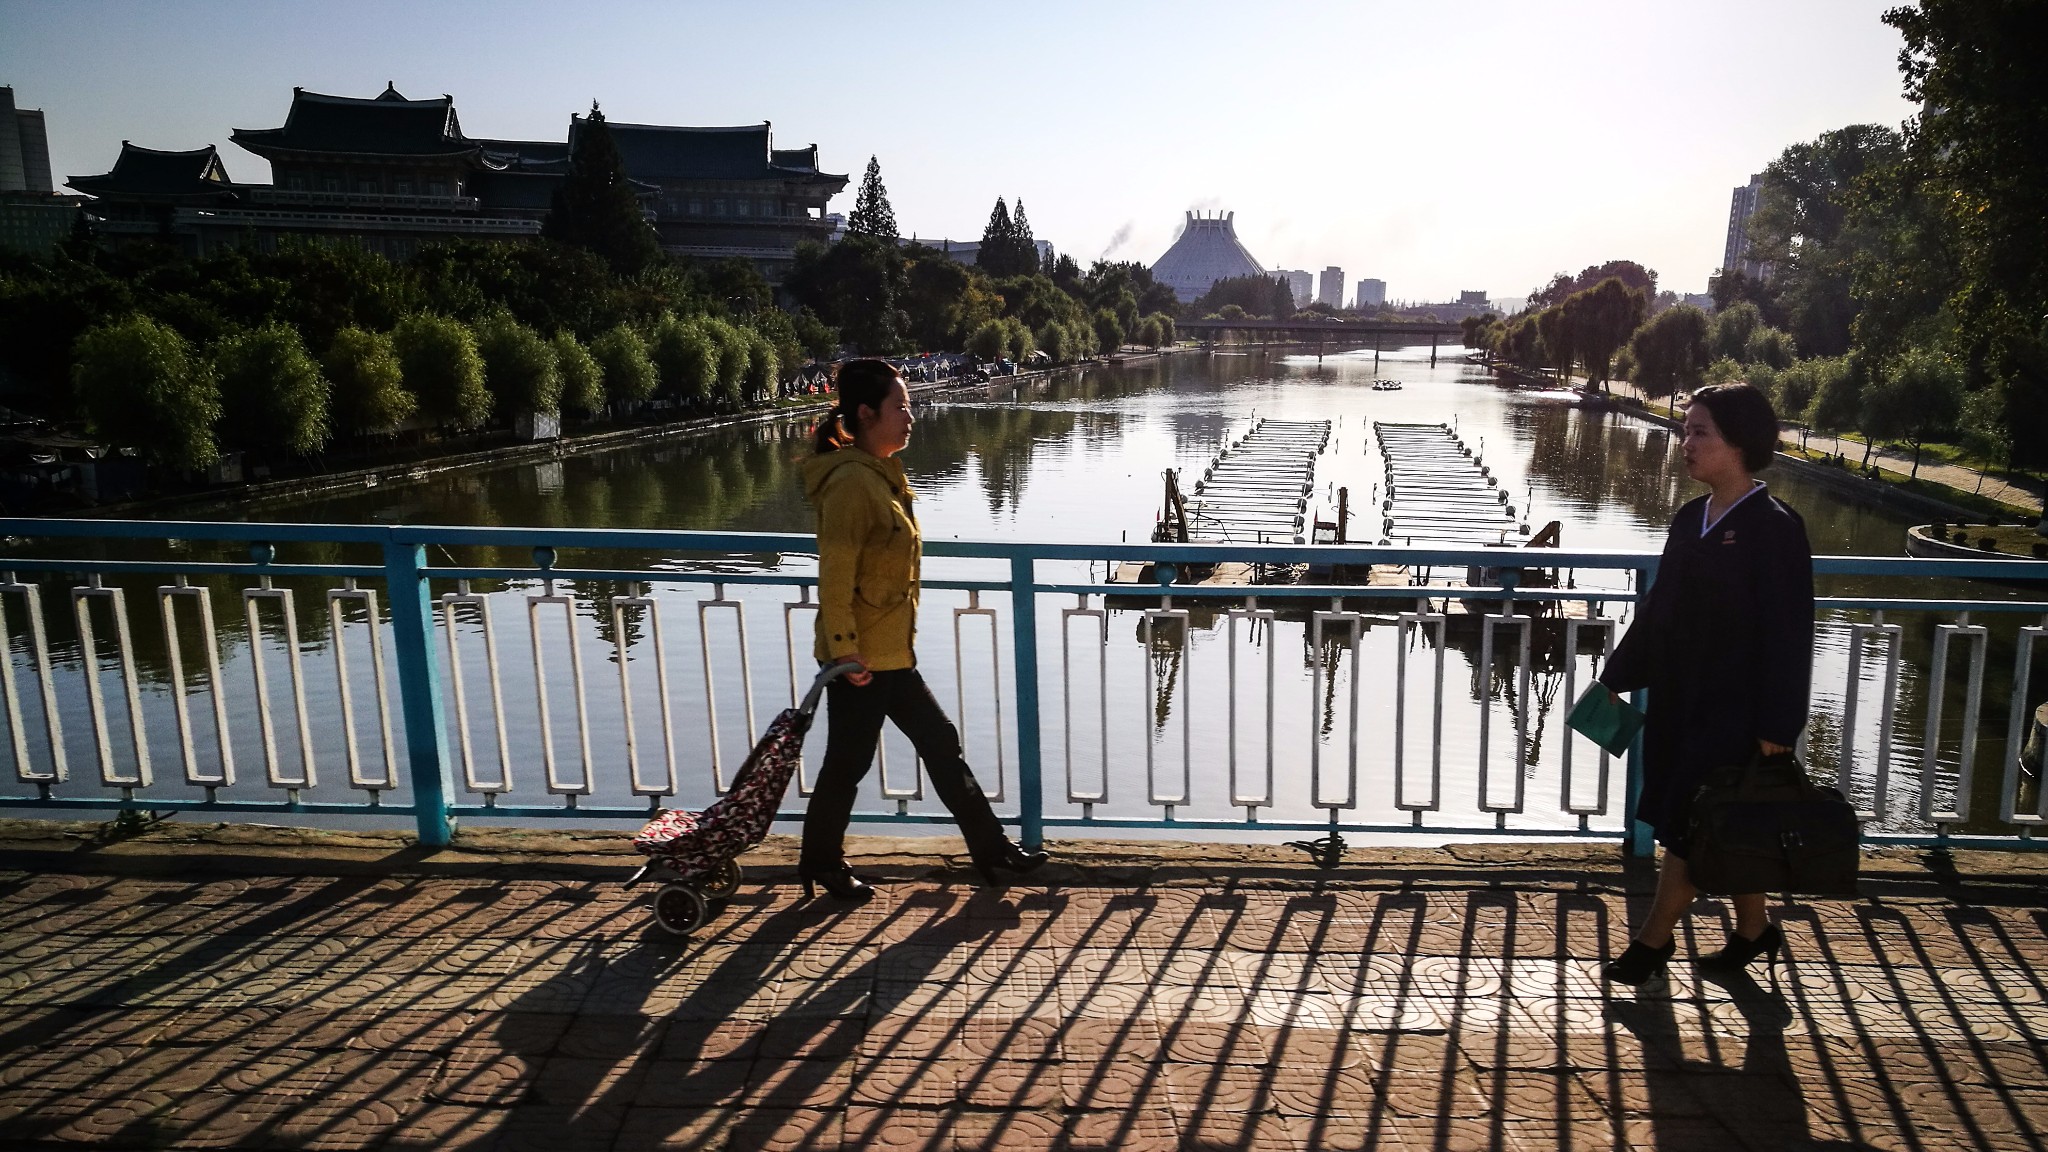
column 869, row 550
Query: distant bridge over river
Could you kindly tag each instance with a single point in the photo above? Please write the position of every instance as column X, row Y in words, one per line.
column 1328, row 332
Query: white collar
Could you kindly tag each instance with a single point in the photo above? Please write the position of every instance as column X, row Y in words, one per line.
column 1706, row 525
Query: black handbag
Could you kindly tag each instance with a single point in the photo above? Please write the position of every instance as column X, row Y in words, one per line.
column 1765, row 827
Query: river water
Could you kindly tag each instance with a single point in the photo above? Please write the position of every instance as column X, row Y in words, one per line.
column 1078, row 459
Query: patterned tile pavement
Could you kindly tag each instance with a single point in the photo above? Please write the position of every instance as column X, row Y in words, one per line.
column 1392, row 1007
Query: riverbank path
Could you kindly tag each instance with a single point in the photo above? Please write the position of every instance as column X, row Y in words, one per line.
column 2017, row 489
column 182, row 990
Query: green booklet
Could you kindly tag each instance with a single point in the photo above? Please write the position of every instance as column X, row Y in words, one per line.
column 1605, row 719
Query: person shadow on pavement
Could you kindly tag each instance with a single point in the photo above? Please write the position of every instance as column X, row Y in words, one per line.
column 1708, row 1105
column 701, row 1042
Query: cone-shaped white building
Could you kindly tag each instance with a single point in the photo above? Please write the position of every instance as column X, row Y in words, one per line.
column 1207, row 251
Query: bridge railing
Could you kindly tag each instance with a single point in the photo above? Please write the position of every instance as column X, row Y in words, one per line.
column 423, row 675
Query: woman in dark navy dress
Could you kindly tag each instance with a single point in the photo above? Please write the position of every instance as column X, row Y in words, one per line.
column 1724, row 642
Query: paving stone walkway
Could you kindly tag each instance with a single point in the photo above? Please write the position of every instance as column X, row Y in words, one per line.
column 1416, row 1007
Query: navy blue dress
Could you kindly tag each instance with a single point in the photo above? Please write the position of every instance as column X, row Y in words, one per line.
column 1724, row 642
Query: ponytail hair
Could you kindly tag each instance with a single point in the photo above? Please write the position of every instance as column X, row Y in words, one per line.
column 859, row 383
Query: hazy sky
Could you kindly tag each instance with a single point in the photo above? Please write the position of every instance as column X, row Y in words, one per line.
column 1436, row 146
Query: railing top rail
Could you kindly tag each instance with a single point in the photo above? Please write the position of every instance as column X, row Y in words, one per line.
column 759, row 542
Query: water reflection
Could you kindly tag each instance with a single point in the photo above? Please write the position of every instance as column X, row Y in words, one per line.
column 1078, row 460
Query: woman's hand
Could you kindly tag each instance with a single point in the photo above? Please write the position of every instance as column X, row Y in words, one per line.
column 1770, row 749
column 860, row 677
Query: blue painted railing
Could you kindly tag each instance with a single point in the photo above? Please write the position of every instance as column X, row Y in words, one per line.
column 57, row 552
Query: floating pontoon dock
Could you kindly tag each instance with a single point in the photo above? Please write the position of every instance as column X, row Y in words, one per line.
column 1438, row 491
column 1257, row 490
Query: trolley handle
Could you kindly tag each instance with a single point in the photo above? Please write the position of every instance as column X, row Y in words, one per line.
column 826, row 675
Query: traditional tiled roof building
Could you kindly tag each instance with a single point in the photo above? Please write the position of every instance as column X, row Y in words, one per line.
column 392, row 173
column 727, row 191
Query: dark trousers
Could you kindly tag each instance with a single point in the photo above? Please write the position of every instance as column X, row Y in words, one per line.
column 854, row 727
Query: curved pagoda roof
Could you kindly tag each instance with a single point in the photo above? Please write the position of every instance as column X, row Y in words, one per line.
column 155, row 174
column 385, row 125
column 743, row 152
column 1207, row 251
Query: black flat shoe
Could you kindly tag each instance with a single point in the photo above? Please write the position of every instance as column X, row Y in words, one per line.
column 1740, row 950
column 1009, row 858
column 1639, row 964
column 838, row 882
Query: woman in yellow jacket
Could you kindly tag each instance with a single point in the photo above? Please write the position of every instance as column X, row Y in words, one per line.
column 869, row 550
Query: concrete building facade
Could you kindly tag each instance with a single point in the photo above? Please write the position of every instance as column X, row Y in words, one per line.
column 24, row 148
column 1331, row 290
column 1371, row 294
column 1735, row 250
column 1301, row 283
column 1206, row 251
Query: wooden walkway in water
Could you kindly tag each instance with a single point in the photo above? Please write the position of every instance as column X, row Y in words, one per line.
column 1439, row 491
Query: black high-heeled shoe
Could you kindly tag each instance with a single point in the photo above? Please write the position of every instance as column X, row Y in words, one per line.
column 1639, row 964
column 1010, row 858
column 839, row 883
column 1740, row 950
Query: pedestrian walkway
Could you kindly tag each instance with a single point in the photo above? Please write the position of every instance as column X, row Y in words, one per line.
column 1142, row 1000
column 2017, row 489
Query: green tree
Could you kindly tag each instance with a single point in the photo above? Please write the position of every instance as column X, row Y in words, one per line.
column 1109, row 331
column 1017, row 339
column 1670, row 351
column 519, row 367
column 1148, row 333
column 854, row 286
column 1729, row 336
column 1805, row 226
column 273, row 395
column 368, row 386
column 582, row 379
column 764, row 371
column 685, row 358
column 1771, row 348
column 1257, row 295
column 1601, row 319
column 1917, row 399
column 731, row 344
column 819, row 340
column 1005, row 249
column 596, row 207
column 141, row 386
column 1052, row 340
column 872, row 215
column 1981, row 140
column 621, row 356
column 1837, row 404
column 442, row 368
column 988, row 341
column 1556, row 333
column 1564, row 286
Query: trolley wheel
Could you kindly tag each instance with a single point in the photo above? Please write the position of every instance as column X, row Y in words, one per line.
column 723, row 881
column 679, row 909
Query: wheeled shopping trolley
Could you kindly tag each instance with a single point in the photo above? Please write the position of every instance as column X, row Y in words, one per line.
column 694, row 854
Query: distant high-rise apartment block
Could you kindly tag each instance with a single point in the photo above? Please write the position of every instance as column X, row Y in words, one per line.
column 1301, row 283
column 1371, row 293
column 1735, row 255
column 24, row 148
column 1472, row 299
column 1332, row 288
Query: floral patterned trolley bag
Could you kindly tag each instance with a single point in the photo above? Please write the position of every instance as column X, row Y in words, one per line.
column 695, row 852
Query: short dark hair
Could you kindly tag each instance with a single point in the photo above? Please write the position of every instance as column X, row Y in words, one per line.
column 1745, row 419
